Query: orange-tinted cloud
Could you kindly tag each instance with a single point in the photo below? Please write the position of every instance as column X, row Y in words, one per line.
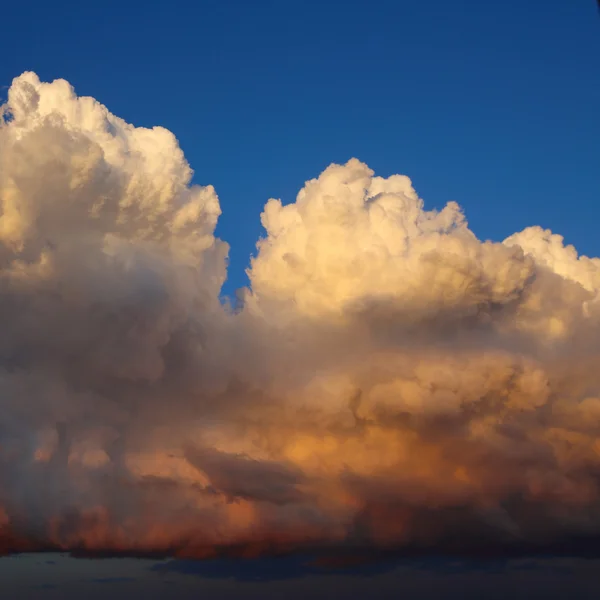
column 389, row 381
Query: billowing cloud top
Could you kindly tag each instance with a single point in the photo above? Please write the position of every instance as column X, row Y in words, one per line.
column 389, row 382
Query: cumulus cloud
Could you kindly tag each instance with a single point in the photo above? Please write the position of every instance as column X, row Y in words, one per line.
column 389, row 381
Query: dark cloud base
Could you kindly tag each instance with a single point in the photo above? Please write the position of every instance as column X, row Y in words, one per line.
column 355, row 560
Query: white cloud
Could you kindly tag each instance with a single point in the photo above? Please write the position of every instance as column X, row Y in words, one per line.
column 387, row 366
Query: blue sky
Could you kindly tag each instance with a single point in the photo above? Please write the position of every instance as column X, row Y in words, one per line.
column 491, row 104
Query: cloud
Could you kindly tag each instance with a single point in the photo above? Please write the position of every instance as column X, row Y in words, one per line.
column 246, row 478
column 389, row 382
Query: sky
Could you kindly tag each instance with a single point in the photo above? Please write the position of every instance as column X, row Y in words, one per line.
column 387, row 381
column 490, row 104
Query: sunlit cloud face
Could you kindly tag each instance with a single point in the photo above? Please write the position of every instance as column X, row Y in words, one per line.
column 389, row 381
